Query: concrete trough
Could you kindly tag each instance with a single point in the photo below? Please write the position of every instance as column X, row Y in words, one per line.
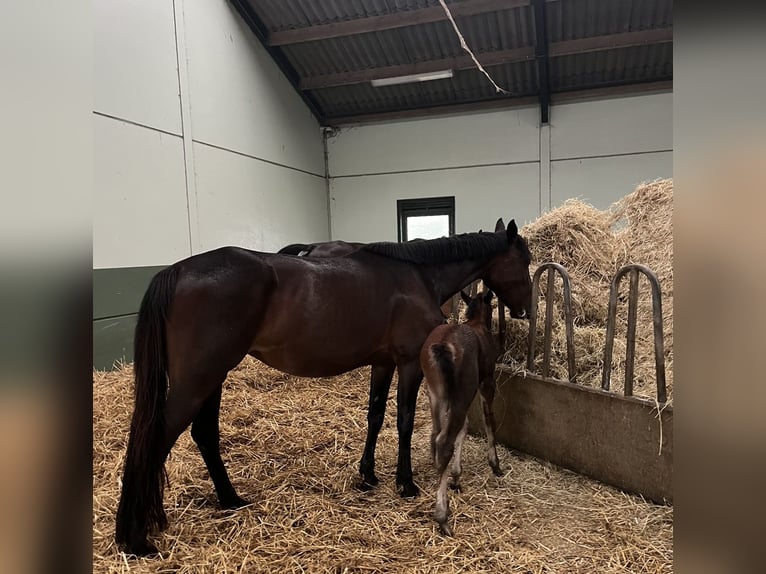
column 617, row 440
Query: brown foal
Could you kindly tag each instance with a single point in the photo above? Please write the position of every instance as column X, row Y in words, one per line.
column 458, row 360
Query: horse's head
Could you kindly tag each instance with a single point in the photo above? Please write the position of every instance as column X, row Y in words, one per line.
column 479, row 307
column 508, row 272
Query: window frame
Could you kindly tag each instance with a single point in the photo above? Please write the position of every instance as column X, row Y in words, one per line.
column 418, row 207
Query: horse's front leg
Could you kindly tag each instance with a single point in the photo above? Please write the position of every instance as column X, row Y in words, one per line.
column 410, row 377
column 380, row 383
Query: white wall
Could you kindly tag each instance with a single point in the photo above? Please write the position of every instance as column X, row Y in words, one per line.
column 497, row 164
column 602, row 149
column 217, row 151
column 488, row 161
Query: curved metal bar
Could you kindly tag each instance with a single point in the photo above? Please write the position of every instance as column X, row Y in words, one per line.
column 552, row 268
column 659, row 342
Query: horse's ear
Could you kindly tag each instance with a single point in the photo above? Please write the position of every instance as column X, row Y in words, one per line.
column 512, row 230
column 465, row 297
column 481, row 230
column 488, row 296
column 499, row 226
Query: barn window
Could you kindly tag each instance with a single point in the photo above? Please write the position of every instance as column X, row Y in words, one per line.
column 425, row 218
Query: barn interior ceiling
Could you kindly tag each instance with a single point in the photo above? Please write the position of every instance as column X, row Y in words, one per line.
column 538, row 50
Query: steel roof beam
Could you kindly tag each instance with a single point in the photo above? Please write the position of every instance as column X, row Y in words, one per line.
column 513, row 56
column 390, row 21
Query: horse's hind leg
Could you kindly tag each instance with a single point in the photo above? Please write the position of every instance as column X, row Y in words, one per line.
column 205, row 432
column 380, row 383
column 445, row 448
column 410, row 377
column 180, row 410
column 457, row 467
column 487, row 391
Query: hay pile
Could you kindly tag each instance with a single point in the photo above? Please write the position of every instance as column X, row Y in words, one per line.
column 592, row 245
column 292, row 447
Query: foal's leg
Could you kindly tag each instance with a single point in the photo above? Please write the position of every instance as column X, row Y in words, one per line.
column 436, row 422
column 445, row 449
column 380, row 383
column 410, row 377
column 457, row 467
column 205, row 432
column 487, row 391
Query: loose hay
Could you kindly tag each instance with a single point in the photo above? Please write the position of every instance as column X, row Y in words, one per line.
column 592, row 245
column 292, row 446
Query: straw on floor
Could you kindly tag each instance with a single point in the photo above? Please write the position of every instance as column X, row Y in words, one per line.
column 292, row 446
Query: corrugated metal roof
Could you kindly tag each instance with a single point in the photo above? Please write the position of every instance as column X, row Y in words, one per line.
column 490, row 32
column 465, row 86
column 291, row 14
column 486, row 32
column 573, row 19
column 595, row 69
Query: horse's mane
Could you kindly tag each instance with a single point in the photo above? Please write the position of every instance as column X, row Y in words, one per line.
column 444, row 250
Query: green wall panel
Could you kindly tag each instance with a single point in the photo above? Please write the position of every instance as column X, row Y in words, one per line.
column 113, row 341
column 119, row 291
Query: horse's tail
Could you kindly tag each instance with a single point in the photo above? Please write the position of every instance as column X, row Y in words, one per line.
column 140, row 510
column 445, row 360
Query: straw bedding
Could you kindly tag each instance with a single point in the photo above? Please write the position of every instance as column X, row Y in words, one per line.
column 292, row 447
column 592, row 245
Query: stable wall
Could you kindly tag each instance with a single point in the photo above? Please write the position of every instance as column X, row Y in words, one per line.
column 200, row 142
column 497, row 164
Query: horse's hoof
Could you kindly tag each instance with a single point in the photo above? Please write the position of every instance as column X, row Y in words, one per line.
column 368, row 483
column 445, row 529
column 140, row 549
column 408, row 490
column 456, row 486
column 497, row 471
column 234, row 503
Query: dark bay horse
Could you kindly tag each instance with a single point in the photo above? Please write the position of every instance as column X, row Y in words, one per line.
column 457, row 361
column 338, row 247
column 305, row 316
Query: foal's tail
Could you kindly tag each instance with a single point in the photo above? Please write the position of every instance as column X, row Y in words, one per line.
column 445, row 360
column 144, row 478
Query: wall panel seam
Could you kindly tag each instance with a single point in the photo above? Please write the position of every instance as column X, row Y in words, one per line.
column 120, row 316
column 608, row 155
column 183, row 97
column 136, row 124
column 446, row 168
column 250, row 156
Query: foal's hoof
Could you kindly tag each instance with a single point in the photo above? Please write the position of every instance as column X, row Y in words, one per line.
column 497, row 471
column 234, row 503
column 456, row 486
column 445, row 529
column 140, row 549
column 408, row 490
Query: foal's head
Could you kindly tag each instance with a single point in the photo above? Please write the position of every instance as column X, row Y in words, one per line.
column 479, row 308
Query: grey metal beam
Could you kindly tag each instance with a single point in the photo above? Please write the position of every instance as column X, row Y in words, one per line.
column 389, row 21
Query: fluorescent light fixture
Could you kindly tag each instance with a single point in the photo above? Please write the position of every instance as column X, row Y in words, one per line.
column 443, row 75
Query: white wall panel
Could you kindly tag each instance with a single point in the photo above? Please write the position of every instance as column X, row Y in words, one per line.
column 136, row 72
column 612, row 126
column 140, row 194
column 602, row 181
column 364, row 208
column 240, row 100
column 471, row 139
column 249, row 203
